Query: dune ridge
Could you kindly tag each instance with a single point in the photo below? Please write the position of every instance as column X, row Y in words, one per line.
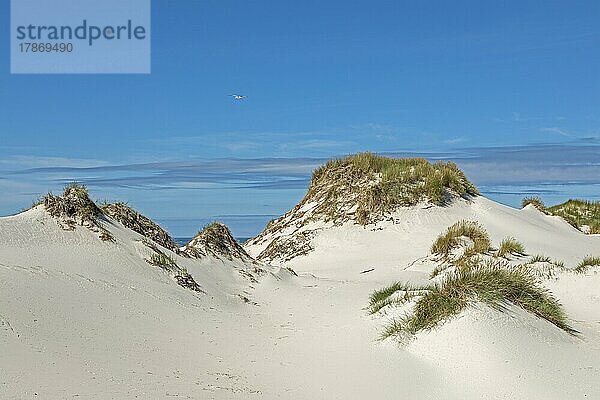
column 135, row 317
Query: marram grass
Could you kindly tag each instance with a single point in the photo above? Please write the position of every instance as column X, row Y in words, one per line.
column 382, row 184
column 139, row 223
column 586, row 263
column 510, row 246
column 383, row 297
column 74, row 203
column 162, row 260
column 579, row 213
column 449, row 240
column 539, row 258
column 534, row 201
column 491, row 283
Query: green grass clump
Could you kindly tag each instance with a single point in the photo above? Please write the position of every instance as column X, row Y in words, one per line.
column 579, row 213
column 586, row 263
column 510, row 246
column 167, row 263
column 448, row 241
column 534, row 201
column 162, row 260
column 378, row 185
column 381, row 298
column 386, row 292
column 492, row 284
column 463, row 262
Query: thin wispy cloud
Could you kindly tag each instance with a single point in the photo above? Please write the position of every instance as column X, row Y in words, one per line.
column 26, row 161
column 289, row 143
column 454, row 140
column 196, row 174
column 318, row 144
column 505, row 173
column 519, row 118
column 557, row 130
column 486, row 165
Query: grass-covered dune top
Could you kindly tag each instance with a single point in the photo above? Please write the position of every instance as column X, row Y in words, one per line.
column 139, row 223
column 215, row 239
column 74, row 206
column 579, row 213
column 377, row 184
column 582, row 214
column 363, row 188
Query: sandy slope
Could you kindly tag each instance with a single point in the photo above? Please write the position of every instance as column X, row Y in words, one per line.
column 83, row 317
column 391, row 245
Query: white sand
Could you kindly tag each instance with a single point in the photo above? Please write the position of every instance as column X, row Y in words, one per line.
column 81, row 317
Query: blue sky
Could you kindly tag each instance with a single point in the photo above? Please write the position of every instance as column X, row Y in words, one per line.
column 510, row 90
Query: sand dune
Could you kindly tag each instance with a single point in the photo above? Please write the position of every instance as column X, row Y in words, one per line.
column 93, row 319
column 85, row 318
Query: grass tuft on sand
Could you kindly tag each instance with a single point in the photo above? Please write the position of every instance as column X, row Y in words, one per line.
column 453, row 236
column 168, row 264
column 539, row 258
column 510, row 246
column 491, row 283
column 75, row 203
column 162, row 260
column 587, row 263
column 383, row 297
column 534, row 201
